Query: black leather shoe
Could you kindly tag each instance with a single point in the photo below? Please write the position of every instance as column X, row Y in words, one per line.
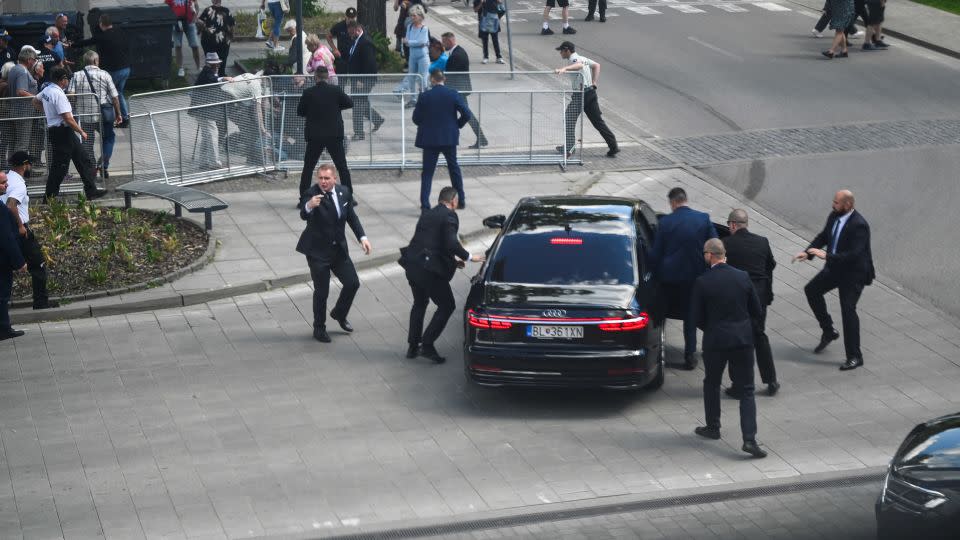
column 430, row 352
column 613, row 151
column 413, row 351
column 461, row 205
column 478, row 144
column 752, row 448
column 376, row 126
column 10, row 334
column 96, row 194
column 825, row 340
column 689, row 361
column 851, row 363
column 603, row 18
column 588, row 18
column 344, row 323
column 357, row 137
column 732, row 392
column 773, row 388
column 321, row 335
column 708, row 432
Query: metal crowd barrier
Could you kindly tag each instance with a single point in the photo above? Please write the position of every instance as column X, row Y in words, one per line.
column 22, row 127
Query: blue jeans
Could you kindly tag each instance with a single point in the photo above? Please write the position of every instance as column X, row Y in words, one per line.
column 120, row 77
column 109, row 137
column 417, row 64
column 430, row 156
column 276, row 11
column 6, row 289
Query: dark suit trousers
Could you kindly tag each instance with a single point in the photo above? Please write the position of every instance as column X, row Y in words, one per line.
column 741, row 371
column 362, row 109
column 824, row 18
column 36, row 265
column 849, row 293
column 592, row 7
column 6, row 289
column 427, row 286
column 768, row 374
column 430, row 156
column 315, row 147
column 320, row 270
column 66, row 148
column 678, row 302
column 589, row 104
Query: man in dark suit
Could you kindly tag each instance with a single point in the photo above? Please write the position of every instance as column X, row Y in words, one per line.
column 458, row 78
column 327, row 208
column 439, row 115
column 724, row 304
column 10, row 259
column 430, row 261
column 752, row 254
column 848, row 268
column 677, row 259
column 322, row 106
column 362, row 64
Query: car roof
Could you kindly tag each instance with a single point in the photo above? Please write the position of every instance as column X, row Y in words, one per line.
column 586, row 213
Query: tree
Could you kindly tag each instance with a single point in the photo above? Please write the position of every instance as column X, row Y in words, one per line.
column 373, row 15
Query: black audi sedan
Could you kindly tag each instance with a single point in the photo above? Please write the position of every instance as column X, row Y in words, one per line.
column 921, row 492
column 565, row 297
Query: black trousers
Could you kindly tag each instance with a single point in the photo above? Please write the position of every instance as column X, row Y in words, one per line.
column 36, row 265
column 495, row 38
column 342, row 267
column 761, row 344
column 588, row 103
column 222, row 50
column 427, row 286
column 824, row 18
column 741, row 371
column 6, row 289
column 66, row 148
column 315, row 147
column 362, row 109
column 592, row 6
column 849, row 293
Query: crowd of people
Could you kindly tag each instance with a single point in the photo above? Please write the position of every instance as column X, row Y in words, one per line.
column 841, row 16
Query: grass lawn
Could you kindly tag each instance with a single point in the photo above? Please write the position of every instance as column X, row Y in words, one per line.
column 953, row 6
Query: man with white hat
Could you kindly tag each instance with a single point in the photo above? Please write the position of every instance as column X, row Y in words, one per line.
column 208, row 151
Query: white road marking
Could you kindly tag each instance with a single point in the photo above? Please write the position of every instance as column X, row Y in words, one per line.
column 771, row 6
column 715, row 49
column 683, row 8
column 445, row 10
column 730, row 8
column 643, row 10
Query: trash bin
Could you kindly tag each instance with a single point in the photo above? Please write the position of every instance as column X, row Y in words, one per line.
column 28, row 28
column 149, row 29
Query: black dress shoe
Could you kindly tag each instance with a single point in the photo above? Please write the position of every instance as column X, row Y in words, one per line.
column 852, row 363
column 343, row 322
column 752, row 448
column 461, row 205
column 613, row 151
column 10, row 334
column 430, row 352
column 321, row 335
column 732, row 392
column 413, row 351
column 588, row 18
column 603, row 18
column 96, row 194
column 478, row 144
column 689, row 361
column 376, row 126
column 708, row 432
column 825, row 340
column 773, row 388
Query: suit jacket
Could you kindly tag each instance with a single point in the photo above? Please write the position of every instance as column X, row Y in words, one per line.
column 752, row 254
column 324, row 237
column 363, row 61
column 321, row 106
column 677, row 252
column 853, row 260
column 439, row 115
column 459, row 62
column 723, row 304
column 10, row 256
column 435, row 243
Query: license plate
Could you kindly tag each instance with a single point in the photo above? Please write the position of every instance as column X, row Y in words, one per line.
column 555, row 332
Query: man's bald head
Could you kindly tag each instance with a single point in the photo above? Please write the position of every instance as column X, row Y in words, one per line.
column 714, row 246
column 843, row 201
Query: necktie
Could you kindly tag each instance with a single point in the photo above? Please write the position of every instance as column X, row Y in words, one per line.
column 328, row 198
column 833, row 237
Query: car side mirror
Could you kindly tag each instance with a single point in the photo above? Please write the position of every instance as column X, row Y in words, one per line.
column 494, row 222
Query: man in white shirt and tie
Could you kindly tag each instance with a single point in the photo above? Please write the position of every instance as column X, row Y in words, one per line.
column 848, row 268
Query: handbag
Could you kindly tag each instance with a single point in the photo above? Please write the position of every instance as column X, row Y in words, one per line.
column 107, row 114
column 285, row 6
column 489, row 23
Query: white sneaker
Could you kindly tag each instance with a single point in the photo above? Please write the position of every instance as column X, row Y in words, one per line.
column 181, row 72
column 859, row 34
column 269, row 43
column 814, row 33
column 500, row 61
column 485, row 60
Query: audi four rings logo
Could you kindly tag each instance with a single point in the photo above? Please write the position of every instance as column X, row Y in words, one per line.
column 555, row 313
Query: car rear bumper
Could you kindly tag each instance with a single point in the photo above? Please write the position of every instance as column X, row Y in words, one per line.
column 504, row 366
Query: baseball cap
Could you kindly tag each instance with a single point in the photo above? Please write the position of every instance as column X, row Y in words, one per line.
column 4, row 35
column 351, row 12
column 19, row 158
column 48, row 39
column 566, row 45
column 29, row 48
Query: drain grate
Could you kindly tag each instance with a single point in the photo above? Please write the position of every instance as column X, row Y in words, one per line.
column 471, row 525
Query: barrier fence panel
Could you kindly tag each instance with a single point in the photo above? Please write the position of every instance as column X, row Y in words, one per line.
column 203, row 133
column 23, row 127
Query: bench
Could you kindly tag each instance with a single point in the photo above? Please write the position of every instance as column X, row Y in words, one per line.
column 193, row 200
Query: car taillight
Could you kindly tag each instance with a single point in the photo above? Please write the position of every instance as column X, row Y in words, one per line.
column 479, row 321
column 627, row 325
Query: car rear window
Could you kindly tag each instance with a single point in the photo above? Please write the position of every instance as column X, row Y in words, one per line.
column 564, row 258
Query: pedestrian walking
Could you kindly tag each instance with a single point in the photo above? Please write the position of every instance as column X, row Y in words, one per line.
column 418, row 39
column 677, row 260
column 217, row 25
column 438, row 56
column 488, row 23
column 17, row 201
column 327, row 209
column 276, row 12
column 186, row 13
column 873, row 15
column 320, row 57
column 751, row 253
column 430, row 261
column 565, row 12
column 10, row 260
column 341, row 32
column 66, row 137
column 114, row 50
column 297, row 51
column 841, row 16
column 458, row 78
column 592, row 8
column 209, row 117
column 583, row 99
column 724, row 304
column 439, row 116
column 844, row 245
column 362, row 66
column 105, row 105
column 322, row 106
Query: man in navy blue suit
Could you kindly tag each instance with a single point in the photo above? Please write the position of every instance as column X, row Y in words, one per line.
column 439, row 115
column 678, row 261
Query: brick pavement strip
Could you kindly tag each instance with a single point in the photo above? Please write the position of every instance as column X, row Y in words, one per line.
column 227, row 420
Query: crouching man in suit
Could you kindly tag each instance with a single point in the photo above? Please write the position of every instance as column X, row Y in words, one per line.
column 724, row 304
column 430, row 262
column 328, row 208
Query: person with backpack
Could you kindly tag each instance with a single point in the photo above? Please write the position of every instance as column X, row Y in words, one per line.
column 93, row 80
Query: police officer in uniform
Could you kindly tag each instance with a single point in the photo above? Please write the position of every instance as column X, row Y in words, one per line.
column 17, row 201
column 10, row 260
